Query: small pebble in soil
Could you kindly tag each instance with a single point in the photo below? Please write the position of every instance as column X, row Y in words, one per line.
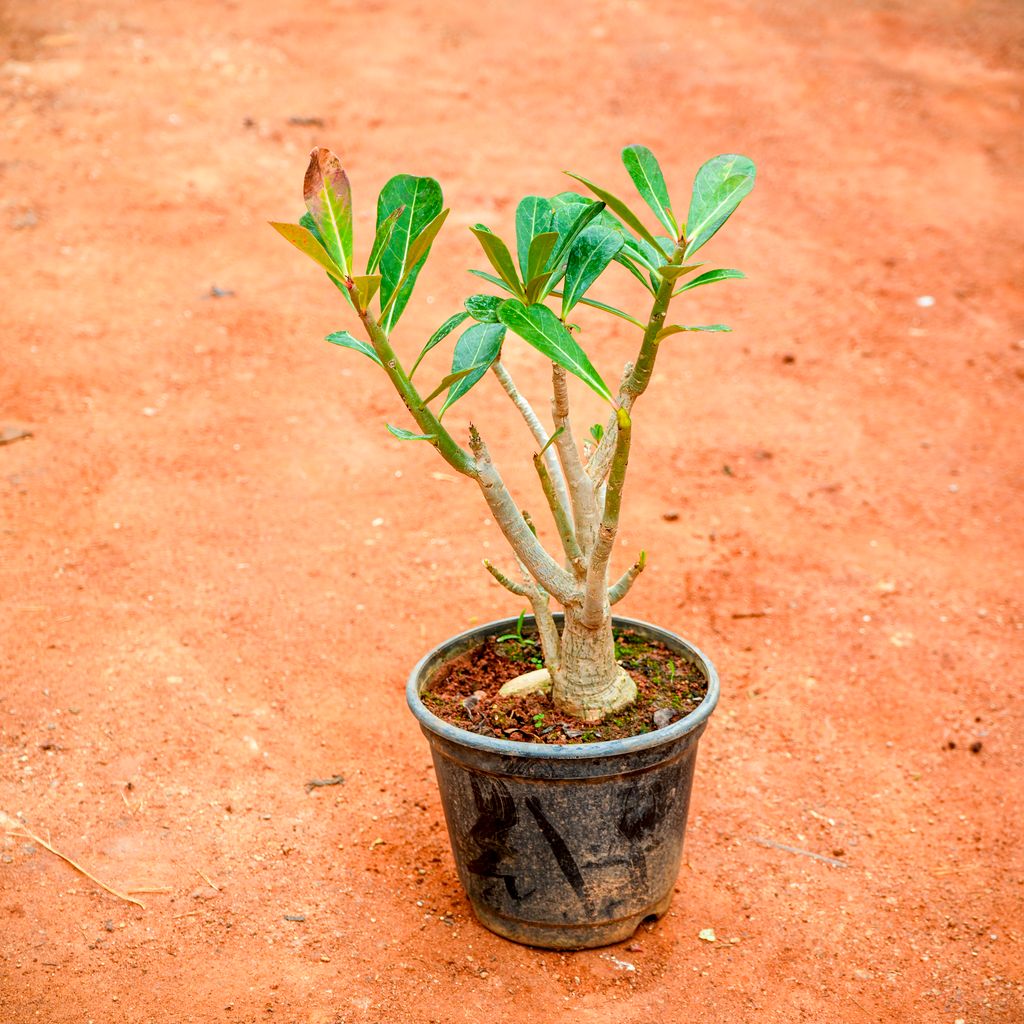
column 295, row 917
column 976, row 747
column 707, row 935
column 926, row 301
column 663, row 717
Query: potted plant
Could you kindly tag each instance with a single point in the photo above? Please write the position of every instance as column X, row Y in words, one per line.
column 566, row 840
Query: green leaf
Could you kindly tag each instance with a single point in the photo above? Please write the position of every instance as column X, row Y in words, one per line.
column 439, row 335
column 484, row 308
column 497, row 253
column 416, row 256
column 535, row 287
column 573, row 213
column 305, row 241
column 346, row 340
column 590, row 255
column 384, row 231
column 709, row 277
column 493, row 280
column 597, row 432
column 534, row 216
column 366, row 288
column 619, row 207
column 607, row 309
column 666, row 332
column 407, row 435
column 306, row 221
column 422, row 202
column 650, row 183
column 474, row 352
column 719, row 187
column 551, row 440
column 670, row 272
column 329, row 201
column 539, row 327
column 448, row 380
column 539, row 254
column 567, row 205
column 627, row 262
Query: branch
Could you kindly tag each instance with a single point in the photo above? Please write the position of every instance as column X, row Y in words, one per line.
column 456, row 456
column 543, row 568
column 537, row 429
column 519, row 589
column 550, row 641
column 581, row 490
column 595, row 605
column 600, row 462
column 565, row 532
column 620, row 588
column 637, row 378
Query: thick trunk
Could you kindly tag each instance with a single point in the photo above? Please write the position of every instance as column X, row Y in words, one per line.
column 588, row 682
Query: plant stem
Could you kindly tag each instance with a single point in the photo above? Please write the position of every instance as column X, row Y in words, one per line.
column 542, row 567
column 581, row 491
column 596, row 602
column 635, row 384
column 537, row 429
column 565, row 531
column 456, row 456
column 620, row 588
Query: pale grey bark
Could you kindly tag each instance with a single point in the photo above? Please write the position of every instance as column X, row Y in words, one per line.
column 543, row 568
column 581, row 490
column 538, row 431
column 589, row 683
column 618, row 590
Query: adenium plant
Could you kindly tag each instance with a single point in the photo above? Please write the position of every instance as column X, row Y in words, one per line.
column 563, row 244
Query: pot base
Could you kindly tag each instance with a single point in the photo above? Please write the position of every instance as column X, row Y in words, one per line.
column 569, row 936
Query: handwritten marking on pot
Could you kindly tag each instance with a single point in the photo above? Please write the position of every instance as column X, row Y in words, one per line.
column 497, row 818
column 566, row 861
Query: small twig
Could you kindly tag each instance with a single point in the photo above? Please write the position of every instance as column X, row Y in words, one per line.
column 26, row 833
column 191, row 913
column 516, row 588
column 334, row 780
column 749, row 615
column 803, row 853
column 206, row 879
column 151, row 889
column 621, row 588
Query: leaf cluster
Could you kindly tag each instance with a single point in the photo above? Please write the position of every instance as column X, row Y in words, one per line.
column 563, row 245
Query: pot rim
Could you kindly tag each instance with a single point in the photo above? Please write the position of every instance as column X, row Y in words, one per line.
column 561, row 751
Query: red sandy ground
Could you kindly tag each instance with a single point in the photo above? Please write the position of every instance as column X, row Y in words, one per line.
column 217, row 567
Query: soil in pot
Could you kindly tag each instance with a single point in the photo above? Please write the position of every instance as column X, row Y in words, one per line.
column 466, row 693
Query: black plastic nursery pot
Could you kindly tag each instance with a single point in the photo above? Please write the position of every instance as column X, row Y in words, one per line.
column 564, row 846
